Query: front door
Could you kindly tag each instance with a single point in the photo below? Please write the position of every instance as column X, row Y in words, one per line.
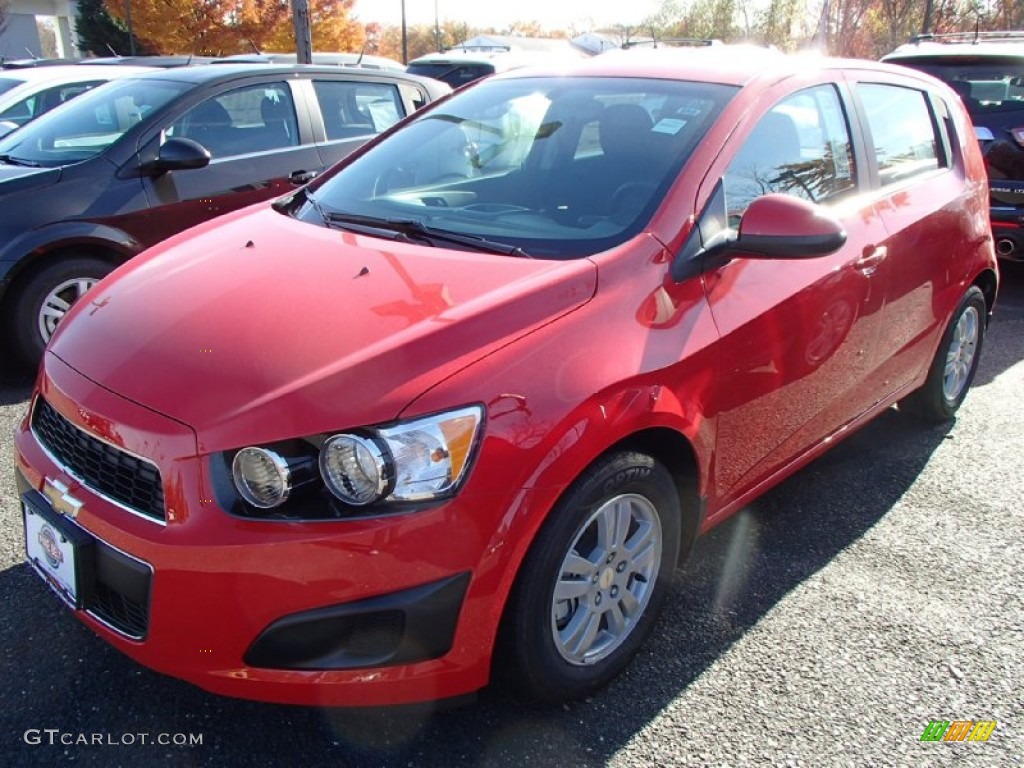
column 257, row 153
column 798, row 336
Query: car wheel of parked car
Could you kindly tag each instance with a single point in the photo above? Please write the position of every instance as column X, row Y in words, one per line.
column 955, row 362
column 42, row 301
column 592, row 585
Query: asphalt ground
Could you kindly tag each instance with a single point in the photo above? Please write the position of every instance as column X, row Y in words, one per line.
column 826, row 625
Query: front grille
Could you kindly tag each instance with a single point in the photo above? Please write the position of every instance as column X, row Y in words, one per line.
column 117, row 610
column 130, row 481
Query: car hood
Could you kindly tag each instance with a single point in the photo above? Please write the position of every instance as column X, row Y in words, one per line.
column 18, row 178
column 260, row 328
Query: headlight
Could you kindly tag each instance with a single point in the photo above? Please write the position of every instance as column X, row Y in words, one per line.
column 354, row 469
column 262, row 477
column 412, row 461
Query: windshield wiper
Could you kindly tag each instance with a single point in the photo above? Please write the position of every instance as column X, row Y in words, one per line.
column 19, row 161
column 411, row 230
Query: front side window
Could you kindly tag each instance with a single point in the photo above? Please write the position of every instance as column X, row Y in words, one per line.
column 903, row 132
column 557, row 168
column 800, row 147
column 90, row 123
column 357, row 109
column 256, row 118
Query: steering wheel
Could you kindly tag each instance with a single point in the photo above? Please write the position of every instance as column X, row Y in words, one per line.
column 630, row 198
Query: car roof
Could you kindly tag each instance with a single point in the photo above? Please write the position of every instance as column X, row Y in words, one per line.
column 69, row 72
column 725, row 64
column 954, row 45
column 320, row 58
column 227, row 71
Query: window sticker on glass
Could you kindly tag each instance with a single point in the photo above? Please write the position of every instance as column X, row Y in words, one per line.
column 669, row 125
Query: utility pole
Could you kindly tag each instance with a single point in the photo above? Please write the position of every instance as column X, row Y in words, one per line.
column 405, row 37
column 437, row 29
column 131, row 32
column 927, row 26
column 303, row 35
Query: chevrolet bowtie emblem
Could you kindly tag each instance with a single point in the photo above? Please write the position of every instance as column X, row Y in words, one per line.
column 60, row 498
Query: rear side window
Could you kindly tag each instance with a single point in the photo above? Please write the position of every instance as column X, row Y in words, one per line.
column 903, row 131
column 357, row 109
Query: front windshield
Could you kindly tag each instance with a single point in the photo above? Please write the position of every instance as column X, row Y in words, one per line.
column 87, row 125
column 556, row 167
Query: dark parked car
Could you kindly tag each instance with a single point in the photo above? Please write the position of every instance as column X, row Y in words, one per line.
column 987, row 70
column 96, row 181
column 462, row 404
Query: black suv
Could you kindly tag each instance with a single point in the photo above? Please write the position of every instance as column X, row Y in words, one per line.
column 987, row 70
column 94, row 182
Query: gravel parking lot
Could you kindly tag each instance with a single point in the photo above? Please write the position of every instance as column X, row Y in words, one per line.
column 878, row 589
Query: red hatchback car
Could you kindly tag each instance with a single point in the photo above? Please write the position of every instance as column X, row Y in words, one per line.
column 462, row 405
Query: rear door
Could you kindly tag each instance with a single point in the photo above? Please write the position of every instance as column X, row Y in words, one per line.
column 927, row 210
column 261, row 147
column 347, row 113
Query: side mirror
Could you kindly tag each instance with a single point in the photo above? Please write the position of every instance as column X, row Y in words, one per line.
column 785, row 227
column 180, row 155
column 6, row 126
column 773, row 227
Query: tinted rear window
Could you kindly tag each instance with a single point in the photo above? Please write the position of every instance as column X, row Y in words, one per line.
column 6, row 84
column 452, row 73
column 986, row 84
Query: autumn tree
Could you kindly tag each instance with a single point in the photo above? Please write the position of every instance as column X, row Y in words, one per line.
column 180, row 26
column 422, row 38
column 222, row 27
column 333, row 29
column 101, row 34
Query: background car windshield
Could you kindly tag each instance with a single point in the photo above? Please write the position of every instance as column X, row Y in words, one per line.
column 86, row 126
column 6, row 84
column 558, row 168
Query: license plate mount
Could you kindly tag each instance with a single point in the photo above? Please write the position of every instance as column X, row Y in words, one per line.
column 58, row 550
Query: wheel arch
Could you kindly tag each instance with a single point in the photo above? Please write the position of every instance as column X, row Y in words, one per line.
column 989, row 285
column 670, row 448
column 676, row 453
column 106, row 244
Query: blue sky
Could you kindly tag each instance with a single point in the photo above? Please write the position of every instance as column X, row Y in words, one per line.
column 584, row 14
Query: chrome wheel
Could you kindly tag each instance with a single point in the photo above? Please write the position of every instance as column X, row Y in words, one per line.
column 606, row 579
column 58, row 301
column 960, row 354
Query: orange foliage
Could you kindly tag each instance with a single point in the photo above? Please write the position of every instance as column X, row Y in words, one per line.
column 223, row 27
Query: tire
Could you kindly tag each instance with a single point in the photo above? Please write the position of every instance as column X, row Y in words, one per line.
column 40, row 302
column 955, row 363
column 558, row 646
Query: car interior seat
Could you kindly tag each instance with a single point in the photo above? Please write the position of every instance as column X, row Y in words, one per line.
column 210, row 125
column 279, row 129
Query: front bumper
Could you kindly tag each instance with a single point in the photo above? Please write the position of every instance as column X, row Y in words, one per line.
column 362, row 612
